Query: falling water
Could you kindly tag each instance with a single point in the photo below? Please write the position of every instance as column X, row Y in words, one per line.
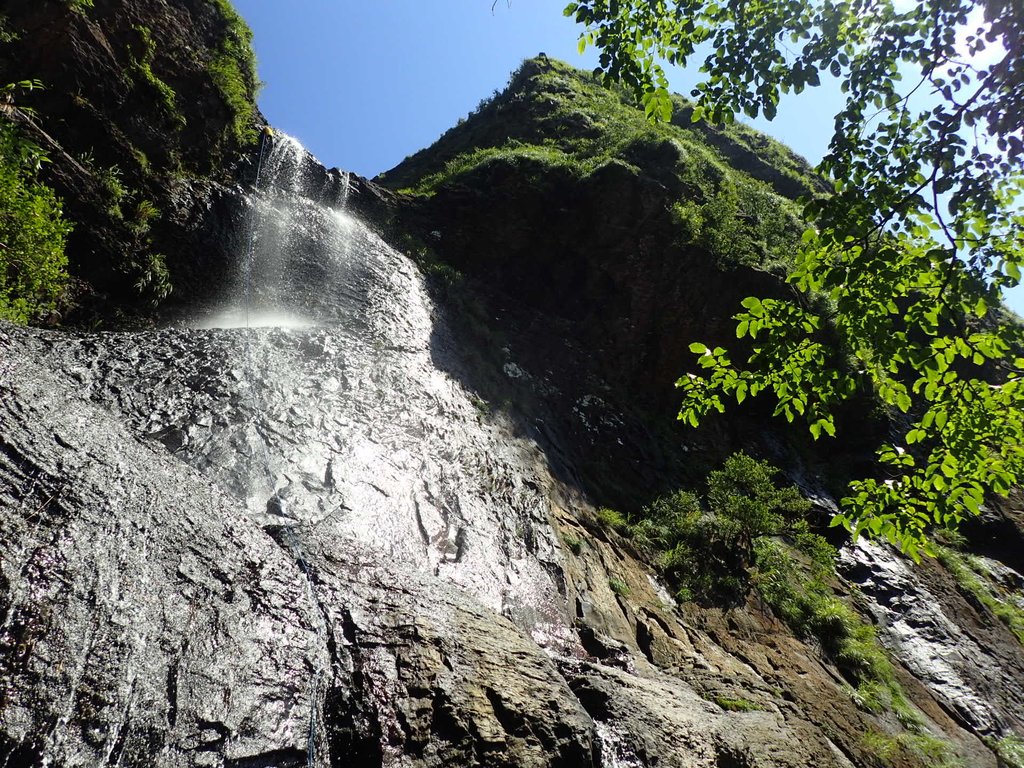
column 348, row 427
column 615, row 751
column 330, row 418
column 296, row 245
column 379, row 445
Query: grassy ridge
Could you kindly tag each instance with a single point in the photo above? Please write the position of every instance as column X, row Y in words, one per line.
column 730, row 189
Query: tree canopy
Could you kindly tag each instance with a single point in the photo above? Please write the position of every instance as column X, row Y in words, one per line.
column 896, row 288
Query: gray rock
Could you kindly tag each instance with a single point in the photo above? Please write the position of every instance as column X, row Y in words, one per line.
column 968, row 661
column 148, row 621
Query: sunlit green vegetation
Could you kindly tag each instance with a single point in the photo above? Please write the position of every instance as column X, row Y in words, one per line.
column 748, row 534
column 971, row 575
column 892, row 750
column 80, row 6
column 730, row 704
column 233, row 70
column 557, row 121
column 33, row 233
column 1010, row 750
column 142, row 64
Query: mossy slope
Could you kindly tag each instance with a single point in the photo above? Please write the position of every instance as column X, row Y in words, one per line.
column 729, row 190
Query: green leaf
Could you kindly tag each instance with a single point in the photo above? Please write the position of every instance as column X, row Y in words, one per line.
column 895, row 282
column 753, row 305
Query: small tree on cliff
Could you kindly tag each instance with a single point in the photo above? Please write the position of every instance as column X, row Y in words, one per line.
column 905, row 260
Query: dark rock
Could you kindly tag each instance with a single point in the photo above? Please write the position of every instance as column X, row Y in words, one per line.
column 131, row 115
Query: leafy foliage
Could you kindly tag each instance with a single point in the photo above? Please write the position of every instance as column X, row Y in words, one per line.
column 32, row 229
column 233, row 70
column 146, row 269
column 902, row 270
column 619, row 587
column 610, row 518
column 1010, row 750
column 153, row 280
column 80, row 6
column 805, row 601
column 754, row 535
column 710, row 555
column 7, row 35
column 142, row 63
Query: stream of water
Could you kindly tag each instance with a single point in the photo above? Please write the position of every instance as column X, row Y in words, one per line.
column 314, row 394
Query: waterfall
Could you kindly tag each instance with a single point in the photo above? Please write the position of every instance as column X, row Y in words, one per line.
column 344, row 428
column 615, row 750
column 297, row 241
column 339, row 466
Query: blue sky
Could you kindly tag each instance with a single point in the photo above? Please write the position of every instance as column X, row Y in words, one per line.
column 364, row 83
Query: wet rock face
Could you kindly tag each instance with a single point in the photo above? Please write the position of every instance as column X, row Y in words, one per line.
column 144, row 620
column 312, row 545
column 301, row 546
column 970, row 661
column 147, row 620
column 152, row 618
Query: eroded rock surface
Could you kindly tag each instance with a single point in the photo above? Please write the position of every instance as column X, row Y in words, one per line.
column 970, row 661
column 318, row 546
column 147, row 620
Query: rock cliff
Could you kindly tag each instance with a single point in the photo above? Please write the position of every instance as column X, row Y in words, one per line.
column 372, row 537
column 143, row 111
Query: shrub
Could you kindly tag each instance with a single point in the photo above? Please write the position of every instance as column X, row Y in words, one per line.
column 668, row 521
column 143, row 66
column 611, row 519
column 113, row 186
column 1010, row 750
column 755, row 534
column 743, row 495
column 145, row 212
column 7, row 35
column 572, row 543
column 32, row 233
column 153, row 281
column 618, row 586
column 708, row 556
column 80, row 6
column 807, row 604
